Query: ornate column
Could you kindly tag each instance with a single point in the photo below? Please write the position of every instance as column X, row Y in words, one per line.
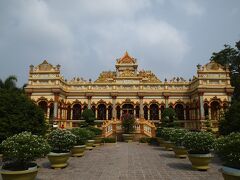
column 201, row 106
column 55, row 106
column 114, row 113
column 48, row 112
column 89, row 97
column 134, row 111
column 141, row 113
column 148, row 113
column 166, row 100
column 159, row 113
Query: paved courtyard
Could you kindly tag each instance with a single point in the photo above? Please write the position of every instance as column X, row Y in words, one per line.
column 131, row 161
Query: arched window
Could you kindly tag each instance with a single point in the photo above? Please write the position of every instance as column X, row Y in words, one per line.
column 77, row 112
column 154, row 112
column 43, row 106
column 179, row 109
column 109, row 112
column 137, row 109
column 101, row 112
column 145, row 110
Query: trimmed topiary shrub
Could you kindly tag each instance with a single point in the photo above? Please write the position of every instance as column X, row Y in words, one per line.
column 169, row 117
column 88, row 116
column 128, row 123
column 21, row 149
column 61, row 140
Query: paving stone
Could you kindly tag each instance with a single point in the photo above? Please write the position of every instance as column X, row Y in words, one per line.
column 127, row 161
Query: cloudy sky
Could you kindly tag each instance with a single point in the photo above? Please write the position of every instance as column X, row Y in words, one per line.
column 169, row 37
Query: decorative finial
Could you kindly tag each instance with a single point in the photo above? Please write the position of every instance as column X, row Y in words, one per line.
column 199, row 66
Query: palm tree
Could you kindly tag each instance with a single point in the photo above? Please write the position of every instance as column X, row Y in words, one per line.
column 9, row 83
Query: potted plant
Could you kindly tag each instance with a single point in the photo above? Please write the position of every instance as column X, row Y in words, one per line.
column 81, row 139
column 98, row 135
column 199, row 146
column 19, row 152
column 90, row 139
column 128, row 123
column 177, row 137
column 61, row 141
column 228, row 149
column 166, row 134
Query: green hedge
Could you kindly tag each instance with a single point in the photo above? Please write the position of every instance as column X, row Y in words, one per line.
column 109, row 140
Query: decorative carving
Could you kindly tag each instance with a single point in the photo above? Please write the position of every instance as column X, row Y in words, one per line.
column 126, row 59
column 148, row 76
column 106, row 76
column 177, row 79
column 127, row 73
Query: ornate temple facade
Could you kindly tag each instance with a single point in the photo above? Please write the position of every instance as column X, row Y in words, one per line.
column 128, row 90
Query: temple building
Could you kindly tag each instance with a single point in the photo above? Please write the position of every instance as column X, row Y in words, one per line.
column 128, row 90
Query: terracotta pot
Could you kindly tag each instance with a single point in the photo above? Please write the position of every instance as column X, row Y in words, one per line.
column 29, row 174
column 180, row 151
column 168, row 145
column 230, row 173
column 128, row 137
column 200, row 161
column 78, row 151
column 89, row 144
column 58, row 160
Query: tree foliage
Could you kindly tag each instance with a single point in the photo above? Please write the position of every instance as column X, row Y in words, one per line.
column 18, row 113
column 230, row 57
column 231, row 120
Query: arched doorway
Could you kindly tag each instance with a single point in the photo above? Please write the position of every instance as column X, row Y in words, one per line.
column 101, row 112
column 69, row 112
column 154, row 112
column 206, row 111
column 215, row 110
column 94, row 110
column 127, row 109
column 43, row 106
column 77, row 112
column 51, row 107
column 187, row 113
column 179, row 109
